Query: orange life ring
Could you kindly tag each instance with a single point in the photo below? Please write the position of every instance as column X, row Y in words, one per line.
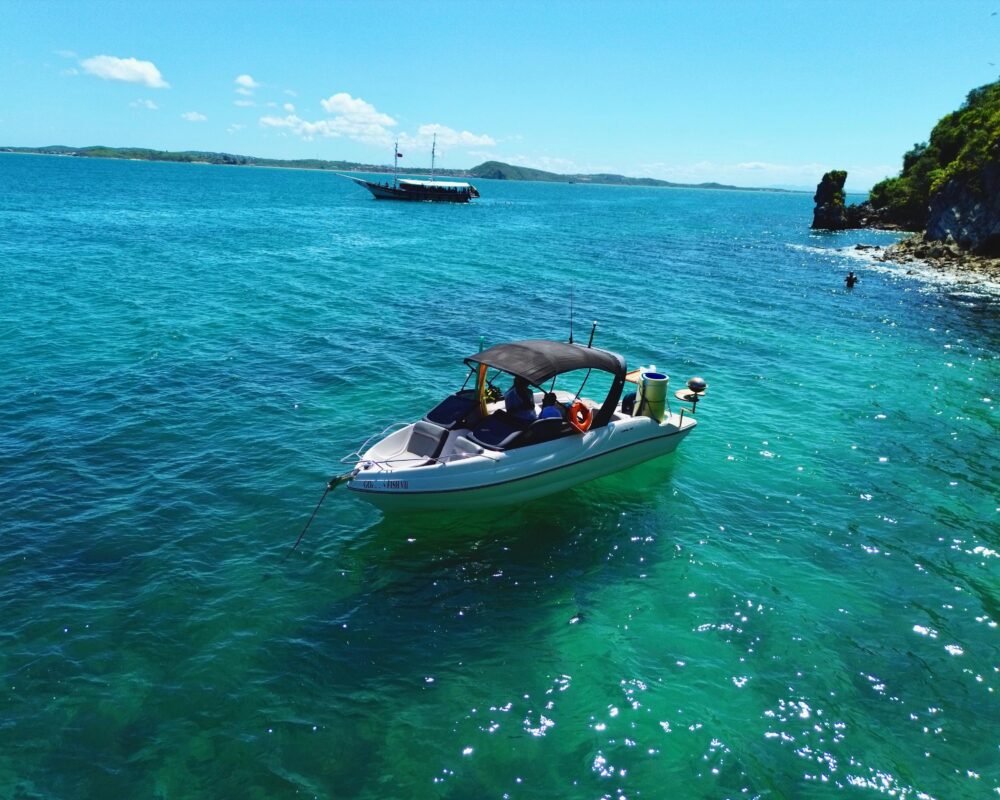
column 580, row 416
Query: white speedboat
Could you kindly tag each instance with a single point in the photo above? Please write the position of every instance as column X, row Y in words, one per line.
column 470, row 452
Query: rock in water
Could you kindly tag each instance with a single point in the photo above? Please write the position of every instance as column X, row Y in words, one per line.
column 830, row 213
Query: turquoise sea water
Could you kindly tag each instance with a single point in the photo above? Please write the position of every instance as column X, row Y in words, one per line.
column 801, row 602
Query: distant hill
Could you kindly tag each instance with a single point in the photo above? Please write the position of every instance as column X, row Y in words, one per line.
column 187, row 156
column 494, row 170
column 497, row 170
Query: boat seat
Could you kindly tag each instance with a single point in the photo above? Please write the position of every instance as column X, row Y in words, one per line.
column 498, row 431
column 544, row 430
column 427, row 440
column 454, row 409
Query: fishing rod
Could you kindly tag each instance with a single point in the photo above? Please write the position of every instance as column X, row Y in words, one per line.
column 571, row 315
column 586, row 377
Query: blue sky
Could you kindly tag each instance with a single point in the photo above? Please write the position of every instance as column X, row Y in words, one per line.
column 745, row 93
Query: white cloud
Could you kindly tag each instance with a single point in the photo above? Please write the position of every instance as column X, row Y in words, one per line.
column 300, row 127
column 326, row 128
column 761, row 173
column 342, row 104
column 130, row 70
column 66, row 54
column 357, row 119
column 235, row 127
column 446, row 137
column 244, row 103
column 352, row 117
column 193, row 116
column 245, row 86
column 782, row 169
column 546, row 163
column 746, row 173
column 147, row 104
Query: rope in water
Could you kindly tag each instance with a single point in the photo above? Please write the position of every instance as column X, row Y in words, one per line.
column 334, row 482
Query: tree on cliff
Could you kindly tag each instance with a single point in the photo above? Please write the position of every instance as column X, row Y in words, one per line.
column 950, row 185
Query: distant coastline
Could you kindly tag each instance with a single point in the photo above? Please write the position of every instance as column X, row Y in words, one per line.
column 493, row 170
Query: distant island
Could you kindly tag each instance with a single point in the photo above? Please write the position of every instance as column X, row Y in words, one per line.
column 494, row 170
column 497, row 170
column 190, row 157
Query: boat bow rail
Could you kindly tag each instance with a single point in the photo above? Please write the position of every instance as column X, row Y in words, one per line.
column 356, row 456
column 423, row 445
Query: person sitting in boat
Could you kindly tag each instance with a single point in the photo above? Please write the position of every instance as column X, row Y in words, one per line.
column 519, row 401
column 550, row 407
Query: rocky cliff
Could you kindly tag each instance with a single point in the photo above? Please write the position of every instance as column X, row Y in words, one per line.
column 967, row 212
column 948, row 191
column 832, row 214
column 949, row 186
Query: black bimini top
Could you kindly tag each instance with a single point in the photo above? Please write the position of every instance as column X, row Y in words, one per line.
column 537, row 360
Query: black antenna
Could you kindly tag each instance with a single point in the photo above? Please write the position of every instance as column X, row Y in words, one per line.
column 571, row 315
column 594, row 328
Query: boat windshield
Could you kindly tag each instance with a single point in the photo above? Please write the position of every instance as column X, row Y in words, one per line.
column 579, row 383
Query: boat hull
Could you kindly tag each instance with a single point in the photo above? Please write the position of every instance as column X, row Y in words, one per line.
column 386, row 192
column 492, row 479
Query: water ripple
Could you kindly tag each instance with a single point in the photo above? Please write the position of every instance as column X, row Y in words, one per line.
column 188, row 351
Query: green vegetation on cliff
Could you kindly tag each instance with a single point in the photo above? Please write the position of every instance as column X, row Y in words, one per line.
column 961, row 147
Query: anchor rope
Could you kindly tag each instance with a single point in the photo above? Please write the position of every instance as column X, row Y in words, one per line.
column 333, row 483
